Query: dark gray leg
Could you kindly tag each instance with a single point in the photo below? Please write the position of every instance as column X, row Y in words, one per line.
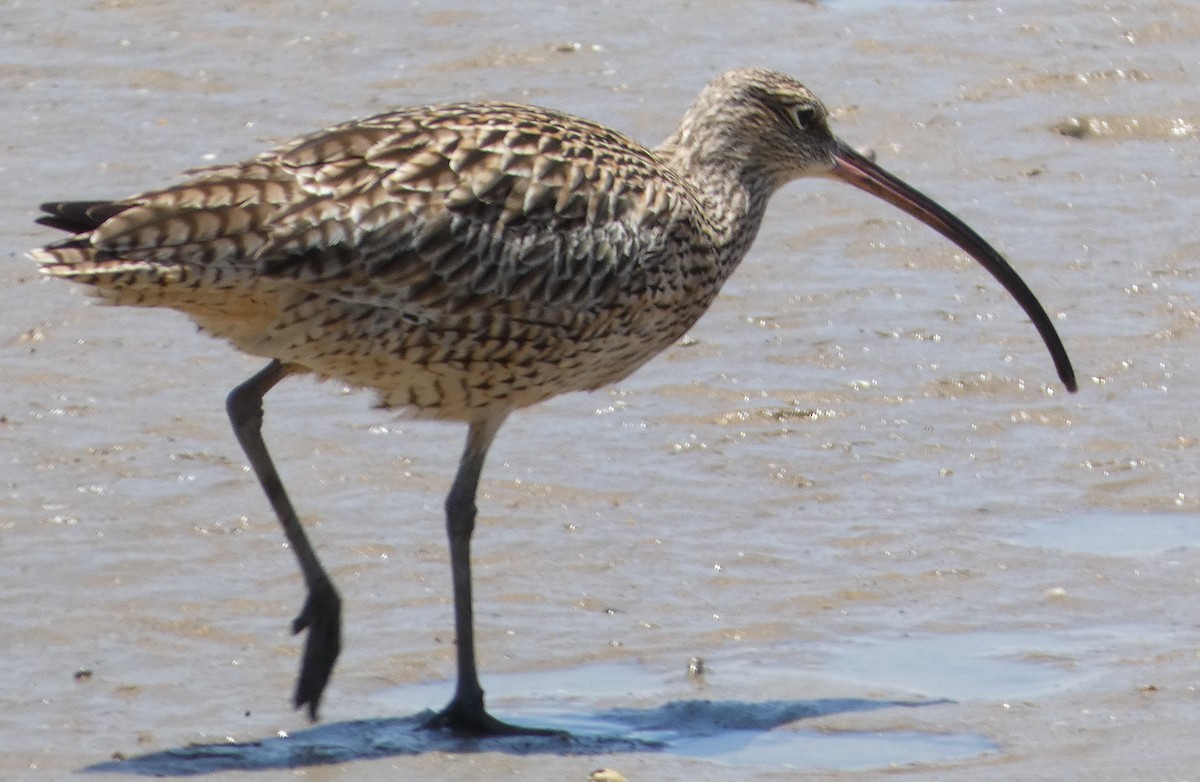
column 322, row 612
column 466, row 713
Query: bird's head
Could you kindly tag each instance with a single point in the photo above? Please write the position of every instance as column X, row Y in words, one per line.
column 763, row 129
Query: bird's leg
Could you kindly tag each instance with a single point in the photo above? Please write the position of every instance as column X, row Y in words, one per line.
column 322, row 612
column 465, row 713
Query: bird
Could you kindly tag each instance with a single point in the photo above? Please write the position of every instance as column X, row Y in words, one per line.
column 466, row 260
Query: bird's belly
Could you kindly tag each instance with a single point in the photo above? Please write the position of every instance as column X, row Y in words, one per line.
column 456, row 368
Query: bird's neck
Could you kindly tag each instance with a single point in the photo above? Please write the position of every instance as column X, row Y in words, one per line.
column 731, row 193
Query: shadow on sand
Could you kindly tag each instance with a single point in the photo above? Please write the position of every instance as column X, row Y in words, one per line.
column 612, row 731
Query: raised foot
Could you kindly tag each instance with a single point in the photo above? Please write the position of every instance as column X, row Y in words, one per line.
column 322, row 618
column 478, row 723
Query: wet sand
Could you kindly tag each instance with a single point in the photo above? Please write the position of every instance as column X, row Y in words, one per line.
column 855, row 490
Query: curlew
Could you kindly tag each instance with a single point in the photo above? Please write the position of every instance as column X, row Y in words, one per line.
column 466, row 260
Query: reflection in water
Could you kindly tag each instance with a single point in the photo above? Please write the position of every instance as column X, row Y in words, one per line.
column 732, row 732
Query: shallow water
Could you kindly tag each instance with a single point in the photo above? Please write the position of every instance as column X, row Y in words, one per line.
column 855, row 490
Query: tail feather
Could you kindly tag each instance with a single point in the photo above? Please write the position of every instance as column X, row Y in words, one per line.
column 145, row 255
column 79, row 216
column 78, row 258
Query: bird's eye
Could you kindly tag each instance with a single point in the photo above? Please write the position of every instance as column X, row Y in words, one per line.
column 804, row 116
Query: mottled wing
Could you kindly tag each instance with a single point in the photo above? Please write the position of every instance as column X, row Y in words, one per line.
column 472, row 208
column 436, row 211
column 222, row 216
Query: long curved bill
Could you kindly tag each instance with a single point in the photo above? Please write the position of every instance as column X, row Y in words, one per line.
column 851, row 167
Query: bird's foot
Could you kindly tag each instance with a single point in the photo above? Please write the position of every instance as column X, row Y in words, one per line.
column 474, row 721
column 322, row 618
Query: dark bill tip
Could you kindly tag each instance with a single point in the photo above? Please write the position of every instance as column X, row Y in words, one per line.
column 853, row 168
